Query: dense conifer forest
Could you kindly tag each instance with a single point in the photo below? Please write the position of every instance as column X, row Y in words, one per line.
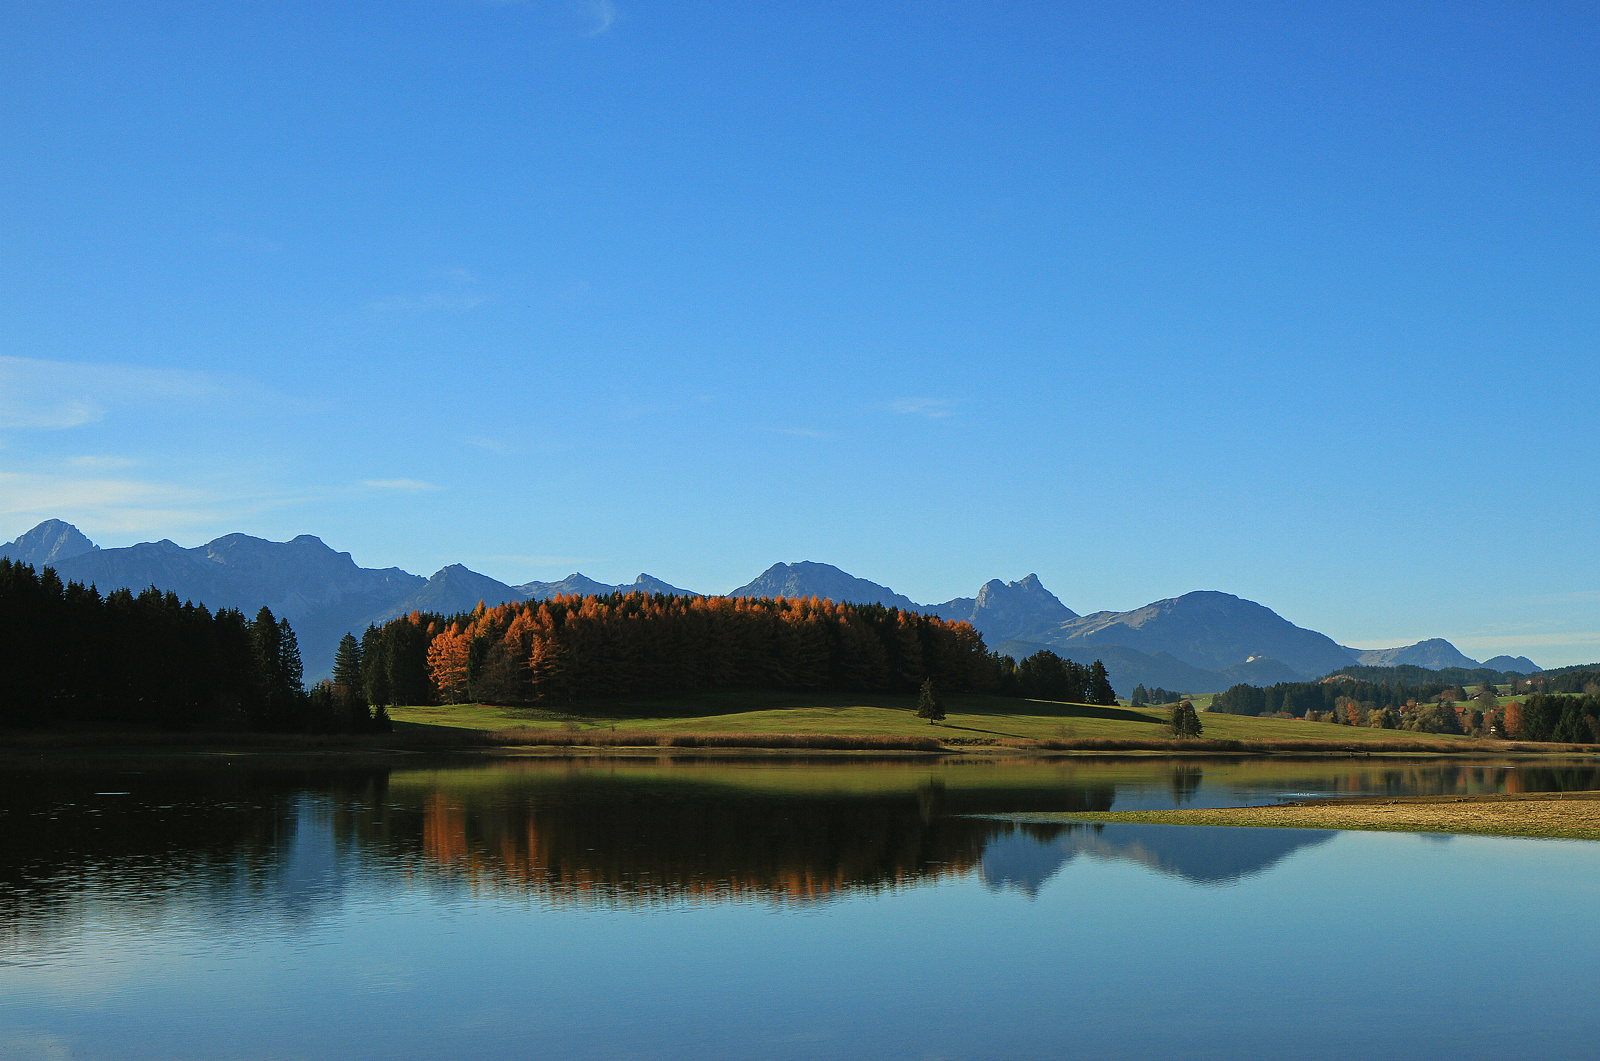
column 70, row 656
column 580, row 648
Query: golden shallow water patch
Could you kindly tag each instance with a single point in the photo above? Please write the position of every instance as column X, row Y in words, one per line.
column 1555, row 815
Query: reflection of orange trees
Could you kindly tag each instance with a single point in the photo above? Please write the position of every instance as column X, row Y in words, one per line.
column 572, row 647
column 610, row 856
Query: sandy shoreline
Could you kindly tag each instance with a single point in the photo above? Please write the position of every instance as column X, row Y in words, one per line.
column 1552, row 815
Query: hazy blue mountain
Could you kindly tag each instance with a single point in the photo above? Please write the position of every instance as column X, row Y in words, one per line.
column 1210, row 630
column 47, row 544
column 651, row 584
column 583, row 585
column 1435, row 653
column 1004, row 610
column 1518, row 664
column 451, row 590
column 1261, row 670
column 1128, row 667
column 322, row 593
column 576, row 582
column 807, row 579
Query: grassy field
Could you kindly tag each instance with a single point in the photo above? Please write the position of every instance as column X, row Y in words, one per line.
column 972, row 720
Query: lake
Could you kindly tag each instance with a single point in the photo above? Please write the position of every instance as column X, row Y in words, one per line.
column 727, row 907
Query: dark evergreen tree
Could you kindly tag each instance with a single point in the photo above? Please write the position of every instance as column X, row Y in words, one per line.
column 928, row 704
column 1100, row 691
column 347, row 667
column 375, row 667
column 282, row 698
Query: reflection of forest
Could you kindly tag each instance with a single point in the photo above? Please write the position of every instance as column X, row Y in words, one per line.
column 251, row 841
column 617, row 839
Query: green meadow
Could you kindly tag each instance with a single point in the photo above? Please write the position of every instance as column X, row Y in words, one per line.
column 971, row 720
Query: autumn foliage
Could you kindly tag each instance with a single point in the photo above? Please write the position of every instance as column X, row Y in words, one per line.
column 578, row 648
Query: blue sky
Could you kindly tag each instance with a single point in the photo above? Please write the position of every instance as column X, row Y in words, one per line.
column 1294, row 301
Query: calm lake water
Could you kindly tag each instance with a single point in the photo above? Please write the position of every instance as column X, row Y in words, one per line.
column 776, row 908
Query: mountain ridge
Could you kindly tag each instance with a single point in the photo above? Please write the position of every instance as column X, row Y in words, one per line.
column 1202, row 641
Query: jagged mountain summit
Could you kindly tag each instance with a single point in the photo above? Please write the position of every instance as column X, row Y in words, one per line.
column 1005, row 610
column 49, row 543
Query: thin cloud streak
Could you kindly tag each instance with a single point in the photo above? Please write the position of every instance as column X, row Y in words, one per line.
column 104, row 504
column 398, row 484
column 57, row 395
column 931, row 408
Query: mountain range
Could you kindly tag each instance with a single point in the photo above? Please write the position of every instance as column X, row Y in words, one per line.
column 1200, row 642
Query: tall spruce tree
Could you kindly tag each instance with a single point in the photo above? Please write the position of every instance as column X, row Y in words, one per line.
column 928, row 705
column 278, row 673
column 347, row 667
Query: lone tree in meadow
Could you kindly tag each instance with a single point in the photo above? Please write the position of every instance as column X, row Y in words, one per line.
column 1183, row 720
column 928, row 705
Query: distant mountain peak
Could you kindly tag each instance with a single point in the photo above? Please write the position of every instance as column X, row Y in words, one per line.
column 807, row 578
column 1516, row 664
column 1005, row 611
column 1435, row 653
column 48, row 543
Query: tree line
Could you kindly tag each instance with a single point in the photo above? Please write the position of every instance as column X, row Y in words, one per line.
column 572, row 648
column 70, row 656
column 1433, row 707
column 1143, row 697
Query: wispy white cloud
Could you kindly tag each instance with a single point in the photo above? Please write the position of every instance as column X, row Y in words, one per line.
column 104, row 504
column 802, row 432
column 493, row 445
column 56, row 395
column 398, row 484
column 600, row 14
column 930, row 408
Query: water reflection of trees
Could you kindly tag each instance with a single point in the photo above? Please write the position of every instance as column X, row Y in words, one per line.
column 613, row 840
column 249, row 841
